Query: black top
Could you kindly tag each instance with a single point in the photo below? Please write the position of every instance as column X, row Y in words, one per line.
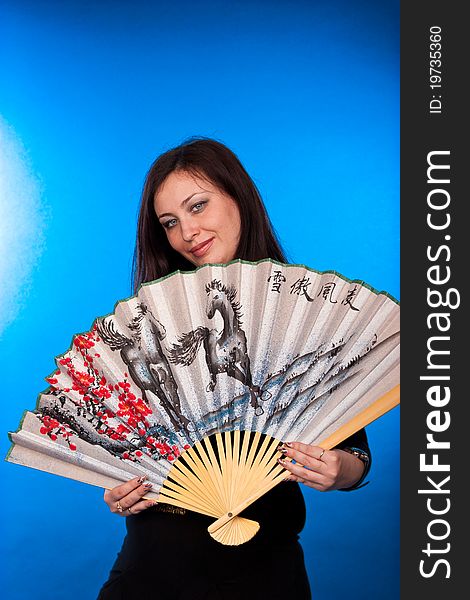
column 168, row 553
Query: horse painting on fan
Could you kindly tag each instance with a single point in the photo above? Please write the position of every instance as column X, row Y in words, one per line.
column 318, row 388
column 148, row 366
column 226, row 350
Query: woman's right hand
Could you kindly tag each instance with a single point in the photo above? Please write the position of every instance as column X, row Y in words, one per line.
column 126, row 499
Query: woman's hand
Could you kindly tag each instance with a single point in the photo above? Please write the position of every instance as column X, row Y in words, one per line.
column 323, row 470
column 126, row 499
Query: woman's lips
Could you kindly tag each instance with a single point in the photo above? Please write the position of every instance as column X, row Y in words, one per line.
column 202, row 248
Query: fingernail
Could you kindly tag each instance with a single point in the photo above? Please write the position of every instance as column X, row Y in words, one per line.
column 147, row 486
column 142, row 479
column 288, row 444
column 281, row 461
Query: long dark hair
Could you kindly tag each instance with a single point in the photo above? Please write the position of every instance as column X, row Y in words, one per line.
column 211, row 160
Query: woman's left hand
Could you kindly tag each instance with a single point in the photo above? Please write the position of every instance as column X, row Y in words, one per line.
column 323, row 470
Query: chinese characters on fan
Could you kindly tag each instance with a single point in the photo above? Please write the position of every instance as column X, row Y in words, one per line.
column 327, row 291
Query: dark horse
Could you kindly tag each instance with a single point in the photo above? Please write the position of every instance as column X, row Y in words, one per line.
column 148, row 366
column 226, row 350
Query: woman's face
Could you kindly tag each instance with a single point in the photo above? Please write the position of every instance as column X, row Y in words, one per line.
column 201, row 222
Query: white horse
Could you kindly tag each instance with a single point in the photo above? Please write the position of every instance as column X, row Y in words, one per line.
column 226, row 350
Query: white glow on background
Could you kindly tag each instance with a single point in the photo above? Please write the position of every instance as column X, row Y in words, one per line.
column 21, row 224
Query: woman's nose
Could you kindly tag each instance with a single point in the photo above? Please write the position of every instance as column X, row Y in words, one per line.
column 189, row 229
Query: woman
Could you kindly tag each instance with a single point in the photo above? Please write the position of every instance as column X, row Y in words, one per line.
column 200, row 206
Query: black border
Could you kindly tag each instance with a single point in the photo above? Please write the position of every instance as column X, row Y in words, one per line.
column 422, row 132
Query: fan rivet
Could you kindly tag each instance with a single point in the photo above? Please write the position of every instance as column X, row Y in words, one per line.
column 230, row 514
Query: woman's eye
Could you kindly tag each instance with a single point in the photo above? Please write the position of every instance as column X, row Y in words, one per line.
column 198, row 206
column 169, row 224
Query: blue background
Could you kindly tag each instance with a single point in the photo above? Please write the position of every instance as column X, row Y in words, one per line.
column 307, row 94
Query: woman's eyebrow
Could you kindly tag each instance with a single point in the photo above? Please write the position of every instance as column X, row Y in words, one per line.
column 184, row 202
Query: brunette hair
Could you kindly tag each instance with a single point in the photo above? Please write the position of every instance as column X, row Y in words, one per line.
column 211, row 160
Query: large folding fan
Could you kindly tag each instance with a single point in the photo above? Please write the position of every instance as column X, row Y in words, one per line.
column 196, row 379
